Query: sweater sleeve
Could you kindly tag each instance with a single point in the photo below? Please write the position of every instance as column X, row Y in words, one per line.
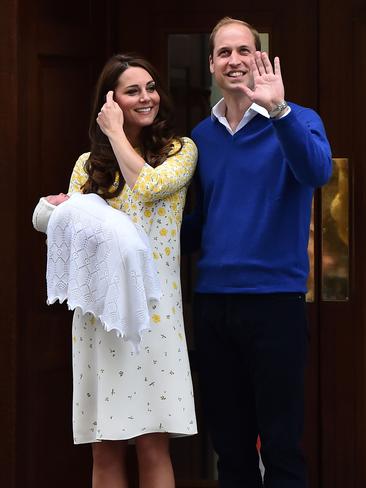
column 168, row 178
column 305, row 146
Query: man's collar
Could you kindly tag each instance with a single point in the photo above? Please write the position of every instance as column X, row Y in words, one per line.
column 219, row 110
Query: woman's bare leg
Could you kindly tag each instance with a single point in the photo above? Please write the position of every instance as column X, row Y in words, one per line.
column 109, row 466
column 155, row 466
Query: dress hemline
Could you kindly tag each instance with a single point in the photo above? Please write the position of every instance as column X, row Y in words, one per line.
column 129, row 438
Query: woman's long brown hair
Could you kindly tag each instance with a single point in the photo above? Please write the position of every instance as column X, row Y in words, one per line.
column 156, row 140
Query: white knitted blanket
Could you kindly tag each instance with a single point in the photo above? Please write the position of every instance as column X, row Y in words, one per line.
column 98, row 260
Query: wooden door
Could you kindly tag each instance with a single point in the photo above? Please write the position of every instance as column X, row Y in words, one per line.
column 60, row 47
column 342, row 352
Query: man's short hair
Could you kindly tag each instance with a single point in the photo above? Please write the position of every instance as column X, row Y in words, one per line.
column 227, row 21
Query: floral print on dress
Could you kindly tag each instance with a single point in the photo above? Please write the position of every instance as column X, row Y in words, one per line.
column 119, row 394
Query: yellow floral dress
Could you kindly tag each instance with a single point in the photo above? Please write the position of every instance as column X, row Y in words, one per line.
column 119, row 394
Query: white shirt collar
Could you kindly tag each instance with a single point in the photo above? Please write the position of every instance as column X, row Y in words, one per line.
column 219, row 111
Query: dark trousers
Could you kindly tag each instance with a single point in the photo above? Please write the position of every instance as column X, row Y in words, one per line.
column 251, row 359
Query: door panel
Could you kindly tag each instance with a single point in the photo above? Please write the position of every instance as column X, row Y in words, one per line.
column 8, row 243
column 342, row 39
column 59, row 58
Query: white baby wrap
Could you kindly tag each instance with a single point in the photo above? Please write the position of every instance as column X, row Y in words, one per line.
column 98, row 260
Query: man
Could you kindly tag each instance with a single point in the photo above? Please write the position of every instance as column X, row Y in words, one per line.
column 260, row 159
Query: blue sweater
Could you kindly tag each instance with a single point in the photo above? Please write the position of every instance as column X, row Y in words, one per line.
column 254, row 196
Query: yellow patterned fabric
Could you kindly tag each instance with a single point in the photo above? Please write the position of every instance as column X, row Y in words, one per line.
column 169, row 181
column 119, row 394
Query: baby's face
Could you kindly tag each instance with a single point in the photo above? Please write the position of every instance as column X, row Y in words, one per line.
column 57, row 199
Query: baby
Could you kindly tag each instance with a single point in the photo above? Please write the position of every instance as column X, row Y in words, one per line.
column 57, row 199
column 98, row 261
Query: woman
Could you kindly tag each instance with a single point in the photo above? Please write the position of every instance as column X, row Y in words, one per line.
column 141, row 167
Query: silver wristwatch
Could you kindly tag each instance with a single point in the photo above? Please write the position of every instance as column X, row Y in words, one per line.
column 278, row 109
